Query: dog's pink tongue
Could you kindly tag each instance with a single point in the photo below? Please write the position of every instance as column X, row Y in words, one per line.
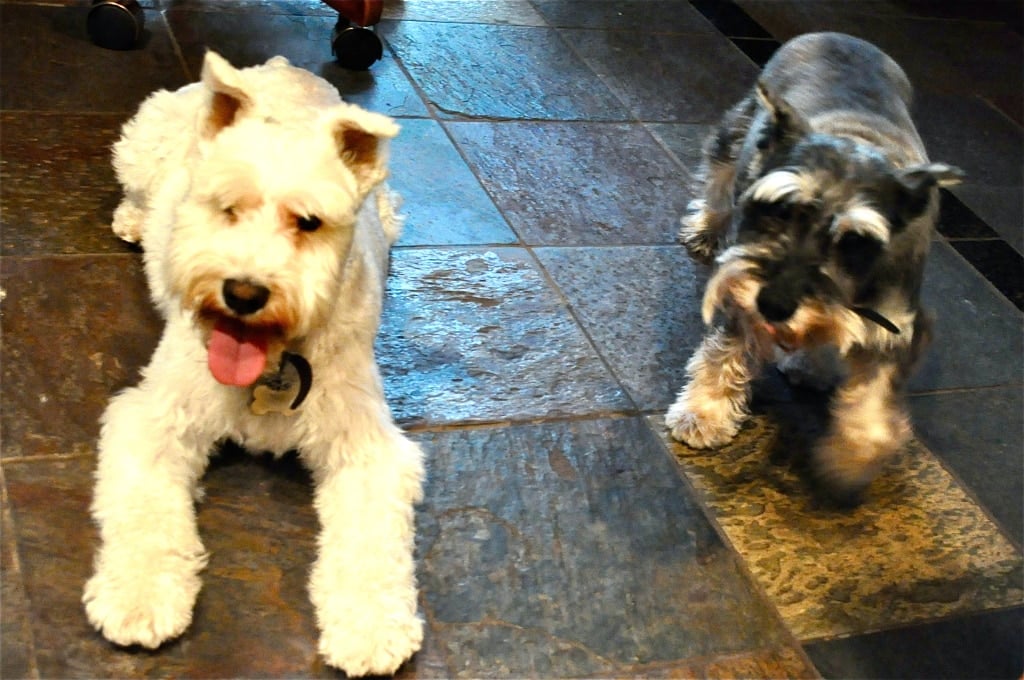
column 237, row 353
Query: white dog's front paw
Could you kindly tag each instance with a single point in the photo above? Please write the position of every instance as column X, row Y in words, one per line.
column 371, row 643
column 128, row 220
column 141, row 606
column 702, row 428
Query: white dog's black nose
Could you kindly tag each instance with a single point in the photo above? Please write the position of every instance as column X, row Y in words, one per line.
column 244, row 297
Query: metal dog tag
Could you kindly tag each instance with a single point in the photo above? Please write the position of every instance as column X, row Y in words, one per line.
column 284, row 391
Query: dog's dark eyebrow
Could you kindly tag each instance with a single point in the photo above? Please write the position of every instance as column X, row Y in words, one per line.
column 872, row 315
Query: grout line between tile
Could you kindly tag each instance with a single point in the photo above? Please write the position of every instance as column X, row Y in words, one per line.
column 413, row 428
column 700, row 500
column 18, row 573
column 46, row 457
column 432, row 109
column 177, row 47
column 956, row 616
column 67, row 256
column 963, row 390
column 579, row 323
column 972, row 268
column 968, row 491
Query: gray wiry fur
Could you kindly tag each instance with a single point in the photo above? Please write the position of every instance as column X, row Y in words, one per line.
column 819, row 201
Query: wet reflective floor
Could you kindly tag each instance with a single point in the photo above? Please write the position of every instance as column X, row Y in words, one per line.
column 538, row 319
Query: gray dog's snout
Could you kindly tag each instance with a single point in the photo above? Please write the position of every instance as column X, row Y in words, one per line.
column 244, row 297
column 776, row 306
column 778, row 300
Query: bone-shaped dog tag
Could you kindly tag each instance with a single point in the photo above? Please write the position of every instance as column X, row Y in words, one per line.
column 284, row 391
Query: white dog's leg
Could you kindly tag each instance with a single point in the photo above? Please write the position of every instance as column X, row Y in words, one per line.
column 128, row 218
column 363, row 584
column 711, row 407
column 147, row 568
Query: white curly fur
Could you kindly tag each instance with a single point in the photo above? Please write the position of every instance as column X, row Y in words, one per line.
column 215, row 176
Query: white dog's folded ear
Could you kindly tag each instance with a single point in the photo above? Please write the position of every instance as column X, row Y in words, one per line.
column 228, row 98
column 361, row 138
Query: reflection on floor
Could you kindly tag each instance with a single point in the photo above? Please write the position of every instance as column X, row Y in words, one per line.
column 539, row 315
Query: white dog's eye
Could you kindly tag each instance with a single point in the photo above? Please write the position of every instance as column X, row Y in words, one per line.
column 310, row 223
column 230, row 213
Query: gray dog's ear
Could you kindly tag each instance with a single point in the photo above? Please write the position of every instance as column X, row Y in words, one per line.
column 918, row 178
column 914, row 185
column 784, row 123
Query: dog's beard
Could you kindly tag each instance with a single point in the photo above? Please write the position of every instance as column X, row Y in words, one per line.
column 734, row 284
column 734, row 289
column 239, row 349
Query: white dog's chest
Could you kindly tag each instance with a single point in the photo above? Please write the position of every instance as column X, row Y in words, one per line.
column 273, row 433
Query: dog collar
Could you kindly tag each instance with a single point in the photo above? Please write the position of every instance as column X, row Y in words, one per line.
column 283, row 392
column 872, row 315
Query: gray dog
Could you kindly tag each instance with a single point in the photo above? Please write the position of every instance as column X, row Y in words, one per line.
column 819, row 202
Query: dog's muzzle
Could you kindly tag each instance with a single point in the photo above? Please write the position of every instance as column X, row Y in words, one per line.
column 244, row 297
column 779, row 298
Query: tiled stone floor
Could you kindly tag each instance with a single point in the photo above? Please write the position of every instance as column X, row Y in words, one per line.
column 538, row 318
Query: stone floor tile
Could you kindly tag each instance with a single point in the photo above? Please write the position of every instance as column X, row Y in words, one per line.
column 640, row 17
column 572, row 549
column 966, row 132
column 730, row 19
column 250, row 38
column 664, row 78
column 49, row 63
column 978, row 435
column 577, row 184
column 780, row 662
column 443, row 201
column 989, row 645
column 478, row 335
column 76, row 330
column 958, row 221
column 999, row 11
column 992, row 68
column 758, row 50
column 59, row 189
column 918, row 548
column 959, row 355
column 684, row 140
column 1001, row 207
column 253, row 617
column 515, row 12
column 49, row 503
column 641, row 308
column 477, row 70
column 531, row 573
column 18, row 659
column 999, row 263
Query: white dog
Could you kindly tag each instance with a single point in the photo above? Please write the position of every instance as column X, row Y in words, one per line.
column 258, row 197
